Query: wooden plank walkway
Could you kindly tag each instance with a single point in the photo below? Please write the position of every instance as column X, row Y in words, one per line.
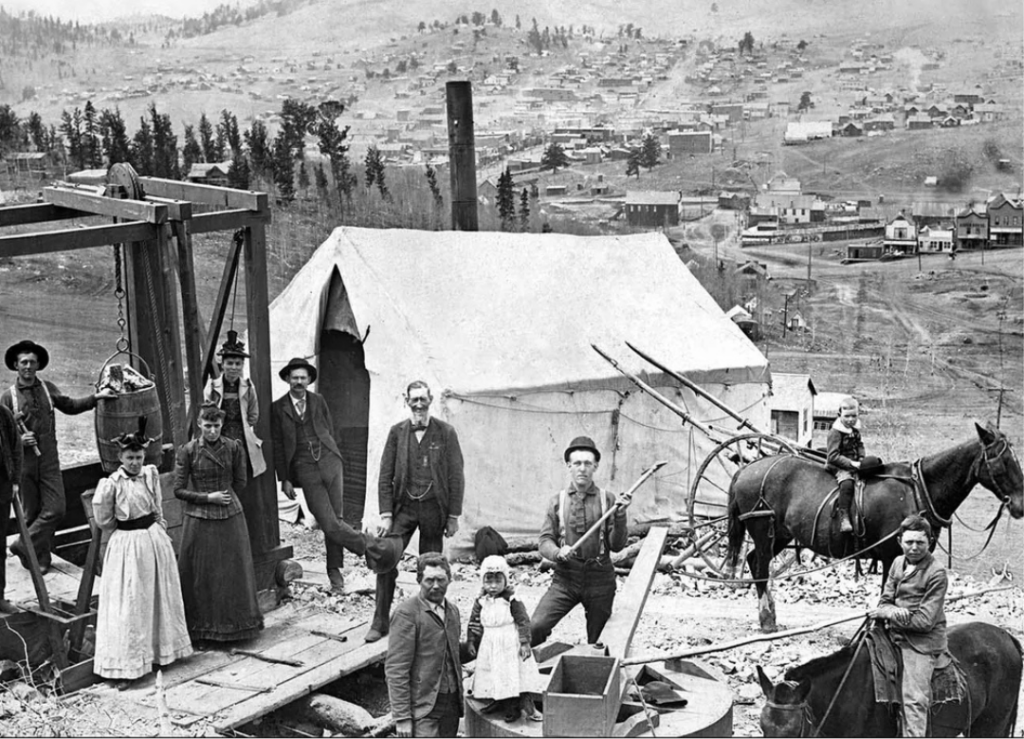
column 233, row 689
column 61, row 582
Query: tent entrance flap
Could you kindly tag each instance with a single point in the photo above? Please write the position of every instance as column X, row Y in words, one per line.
column 345, row 384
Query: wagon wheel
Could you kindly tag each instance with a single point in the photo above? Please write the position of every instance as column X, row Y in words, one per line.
column 712, row 482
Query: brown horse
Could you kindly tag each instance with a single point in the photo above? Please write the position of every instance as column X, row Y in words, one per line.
column 989, row 656
column 779, row 500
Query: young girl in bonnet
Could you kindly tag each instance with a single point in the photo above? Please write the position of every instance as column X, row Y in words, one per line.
column 499, row 637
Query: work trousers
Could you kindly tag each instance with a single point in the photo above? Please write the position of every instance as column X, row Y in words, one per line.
column 42, row 494
column 917, row 690
column 443, row 719
column 322, row 483
column 594, row 587
column 425, row 515
column 6, row 496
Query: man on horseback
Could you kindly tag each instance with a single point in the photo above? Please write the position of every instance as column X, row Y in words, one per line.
column 913, row 607
column 845, row 452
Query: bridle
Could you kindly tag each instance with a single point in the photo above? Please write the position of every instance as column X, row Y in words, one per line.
column 807, row 727
column 993, row 478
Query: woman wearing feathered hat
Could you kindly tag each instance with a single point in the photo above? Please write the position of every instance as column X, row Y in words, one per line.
column 236, row 396
column 141, row 620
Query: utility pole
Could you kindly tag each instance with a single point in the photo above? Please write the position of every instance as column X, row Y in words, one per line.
column 785, row 316
column 809, row 246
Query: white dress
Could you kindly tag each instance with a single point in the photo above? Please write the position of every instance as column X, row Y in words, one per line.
column 500, row 673
column 141, row 618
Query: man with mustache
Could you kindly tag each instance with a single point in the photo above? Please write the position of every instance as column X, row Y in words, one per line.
column 421, row 486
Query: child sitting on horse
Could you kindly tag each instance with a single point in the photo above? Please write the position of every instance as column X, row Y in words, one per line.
column 845, row 453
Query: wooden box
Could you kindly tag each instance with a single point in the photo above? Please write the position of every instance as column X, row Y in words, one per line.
column 583, row 696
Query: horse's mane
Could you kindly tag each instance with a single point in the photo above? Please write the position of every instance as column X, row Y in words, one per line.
column 818, row 665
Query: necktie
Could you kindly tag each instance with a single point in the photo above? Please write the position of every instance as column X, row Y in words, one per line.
column 419, row 427
column 301, row 405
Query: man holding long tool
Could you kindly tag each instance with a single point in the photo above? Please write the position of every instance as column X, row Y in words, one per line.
column 33, row 402
column 584, row 573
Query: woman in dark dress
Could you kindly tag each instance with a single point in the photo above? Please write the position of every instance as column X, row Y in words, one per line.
column 218, row 582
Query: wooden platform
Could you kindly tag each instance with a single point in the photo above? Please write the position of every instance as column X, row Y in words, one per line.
column 231, row 690
column 61, row 582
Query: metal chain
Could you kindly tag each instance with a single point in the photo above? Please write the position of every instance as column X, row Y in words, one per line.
column 123, row 344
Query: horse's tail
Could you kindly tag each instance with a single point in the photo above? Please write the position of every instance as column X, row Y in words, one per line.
column 1016, row 701
column 737, row 529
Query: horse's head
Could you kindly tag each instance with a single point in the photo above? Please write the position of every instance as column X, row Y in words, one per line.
column 998, row 469
column 785, row 711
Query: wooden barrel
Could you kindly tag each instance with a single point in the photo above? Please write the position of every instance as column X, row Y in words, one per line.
column 116, row 416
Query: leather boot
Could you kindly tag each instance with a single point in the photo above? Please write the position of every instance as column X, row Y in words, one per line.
column 845, row 524
column 337, row 580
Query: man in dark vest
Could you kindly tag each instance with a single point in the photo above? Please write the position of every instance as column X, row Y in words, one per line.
column 33, row 402
column 306, row 456
column 420, row 487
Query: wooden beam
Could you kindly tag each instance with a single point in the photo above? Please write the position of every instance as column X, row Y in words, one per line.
column 629, row 602
column 190, row 317
column 43, row 242
column 224, row 220
column 223, row 197
column 20, row 215
column 220, row 306
column 261, row 511
column 177, row 210
column 130, row 210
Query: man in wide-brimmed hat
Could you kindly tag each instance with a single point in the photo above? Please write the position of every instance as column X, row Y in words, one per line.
column 33, row 402
column 586, row 575
column 306, row 456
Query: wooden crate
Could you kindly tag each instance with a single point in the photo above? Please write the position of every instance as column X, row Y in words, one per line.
column 583, row 696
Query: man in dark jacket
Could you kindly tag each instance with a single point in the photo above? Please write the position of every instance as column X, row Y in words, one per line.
column 33, row 402
column 421, row 486
column 10, row 476
column 423, row 667
column 306, row 456
column 586, row 575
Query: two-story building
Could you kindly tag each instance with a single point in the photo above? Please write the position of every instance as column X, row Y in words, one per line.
column 900, row 236
column 972, row 228
column 1005, row 221
column 684, row 143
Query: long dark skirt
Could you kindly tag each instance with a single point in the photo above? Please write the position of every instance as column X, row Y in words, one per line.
column 218, row 583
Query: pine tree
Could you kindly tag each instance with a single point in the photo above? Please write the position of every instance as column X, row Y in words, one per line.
column 375, row 172
column 435, row 191
column 142, row 148
column 228, row 127
column 238, row 173
column 191, row 152
column 370, row 166
column 90, row 137
column 320, row 177
column 650, row 151
column 506, row 201
column 633, row 163
column 524, row 210
column 36, row 131
column 331, row 142
column 284, row 172
column 116, row 147
column 554, row 157
column 206, row 139
column 260, row 154
column 303, row 177
column 71, row 130
column 165, row 145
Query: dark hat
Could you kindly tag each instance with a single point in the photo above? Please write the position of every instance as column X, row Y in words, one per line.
column 137, row 441
column 297, row 363
column 233, row 347
column 582, row 443
column 871, row 466
column 23, row 347
column 383, row 553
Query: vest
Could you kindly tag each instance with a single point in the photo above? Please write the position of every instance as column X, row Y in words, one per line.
column 420, row 482
column 307, row 443
column 563, row 510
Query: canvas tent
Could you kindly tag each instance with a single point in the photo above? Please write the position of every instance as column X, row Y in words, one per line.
column 501, row 325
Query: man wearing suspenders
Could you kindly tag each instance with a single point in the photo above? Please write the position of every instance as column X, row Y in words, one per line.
column 33, row 402
column 586, row 576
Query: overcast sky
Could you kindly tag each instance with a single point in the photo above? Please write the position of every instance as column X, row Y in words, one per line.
column 104, row 10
